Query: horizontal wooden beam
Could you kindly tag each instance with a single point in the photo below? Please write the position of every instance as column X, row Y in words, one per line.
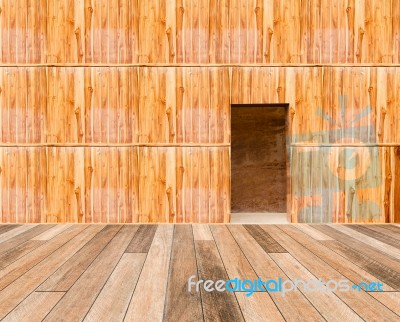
column 201, row 65
column 321, row 145
column 106, row 145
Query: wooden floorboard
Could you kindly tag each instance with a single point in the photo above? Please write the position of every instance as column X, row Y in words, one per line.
column 147, row 303
column 17, row 252
column 383, row 237
column 360, row 302
column 327, row 303
column 358, row 246
column 67, row 274
column 347, row 268
column 265, row 240
column 77, row 301
column 217, row 306
column 6, row 228
column 293, row 306
column 85, row 272
column 14, row 293
column 23, row 237
column 142, row 240
column 180, row 304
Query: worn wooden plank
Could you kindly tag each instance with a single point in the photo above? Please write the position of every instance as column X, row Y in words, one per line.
column 235, row 262
column 384, row 232
column 327, row 303
column 202, row 232
column 148, row 298
column 349, row 242
column 25, row 263
column 113, row 300
column 360, row 302
column 389, row 299
column 80, row 297
column 181, row 304
column 15, row 292
column 6, row 228
column 67, row 274
column 52, row 232
column 142, row 240
column 376, row 268
column 17, row 252
column 293, row 305
column 23, row 237
column 345, row 267
column 269, row 244
column 35, row 307
column 217, row 306
column 312, row 232
column 258, row 307
column 383, row 247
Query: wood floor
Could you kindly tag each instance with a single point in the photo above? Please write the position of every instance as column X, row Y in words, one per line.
column 140, row 272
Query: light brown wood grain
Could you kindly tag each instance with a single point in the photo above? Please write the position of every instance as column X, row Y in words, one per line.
column 327, row 303
column 148, row 298
column 93, row 279
column 14, row 293
column 360, row 302
column 113, row 299
column 279, row 31
column 295, row 303
column 35, row 307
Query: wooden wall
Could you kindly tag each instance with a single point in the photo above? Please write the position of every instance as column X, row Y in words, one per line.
column 152, row 144
column 200, row 31
column 119, row 111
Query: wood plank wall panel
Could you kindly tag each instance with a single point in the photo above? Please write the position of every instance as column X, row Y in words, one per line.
column 327, row 187
column 115, row 105
column 114, row 184
column 168, row 105
column 206, row 31
column 353, row 111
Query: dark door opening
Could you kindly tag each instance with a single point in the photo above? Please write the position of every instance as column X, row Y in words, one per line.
column 258, row 158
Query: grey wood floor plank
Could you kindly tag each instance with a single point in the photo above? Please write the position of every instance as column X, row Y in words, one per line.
column 113, row 300
column 17, row 252
column 258, row 307
column 381, row 246
column 17, row 291
column 293, row 306
column 147, row 303
column 383, row 237
column 327, row 303
column 235, row 262
column 15, row 232
column 180, row 304
column 141, row 242
column 358, row 246
column 68, row 273
column 361, row 302
column 217, row 306
column 347, row 268
column 23, row 237
column 6, row 228
column 77, row 301
column 269, row 244
column 16, row 269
